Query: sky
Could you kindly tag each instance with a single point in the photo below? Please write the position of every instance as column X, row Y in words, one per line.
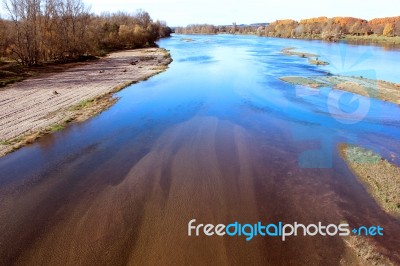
column 225, row 12
column 221, row 12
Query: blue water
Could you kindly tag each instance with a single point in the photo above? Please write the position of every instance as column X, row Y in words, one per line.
column 237, row 78
column 228, row 71
column 292, row 134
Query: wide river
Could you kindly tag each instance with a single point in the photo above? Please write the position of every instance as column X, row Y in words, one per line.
column 217, row 138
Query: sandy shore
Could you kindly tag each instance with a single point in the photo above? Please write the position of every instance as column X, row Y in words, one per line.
column 381, row 177
column 37, row 106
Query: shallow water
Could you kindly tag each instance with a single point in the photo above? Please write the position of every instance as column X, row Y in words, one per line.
column 217, row 137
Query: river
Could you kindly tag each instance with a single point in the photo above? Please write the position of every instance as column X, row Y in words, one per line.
column 217, row 138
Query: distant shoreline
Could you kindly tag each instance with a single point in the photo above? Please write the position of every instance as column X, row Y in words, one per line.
column 379, row 41
column 378, row 31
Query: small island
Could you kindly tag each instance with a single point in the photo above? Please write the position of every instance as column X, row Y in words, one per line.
column 379, row 89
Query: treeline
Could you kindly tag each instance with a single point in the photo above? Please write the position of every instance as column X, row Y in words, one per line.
column 332, row 28
column 211, row 29
column 313, row 28
column 37, row 31
column 197, row 29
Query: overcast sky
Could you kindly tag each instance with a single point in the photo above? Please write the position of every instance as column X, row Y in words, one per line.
column 183, row 12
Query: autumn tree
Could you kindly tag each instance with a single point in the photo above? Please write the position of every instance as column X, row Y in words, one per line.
column 397, row 28
column 388, row 31
column 378, row 24
column 72, row 21
column 331, row 28
column 331, row 31
column 313, row 27
column 43, row 30
column 359, row 27
column 197, row 29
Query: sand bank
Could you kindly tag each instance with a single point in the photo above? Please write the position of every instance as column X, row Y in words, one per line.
column 383, row 90
column 381, row 178
column 41, row 105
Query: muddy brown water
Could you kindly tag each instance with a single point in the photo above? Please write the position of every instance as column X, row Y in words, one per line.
column 217, row 138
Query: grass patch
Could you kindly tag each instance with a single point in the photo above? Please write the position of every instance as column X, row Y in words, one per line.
column 56, row 127
column 5, row 82
column 83, row 104
column 5, row 142
column 355, row 154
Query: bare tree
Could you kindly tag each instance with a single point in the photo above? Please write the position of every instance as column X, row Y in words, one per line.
column 25, row 14
column 43, row 30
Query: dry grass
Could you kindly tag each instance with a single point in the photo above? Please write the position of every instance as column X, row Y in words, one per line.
column 374, row 39
column 381, row 178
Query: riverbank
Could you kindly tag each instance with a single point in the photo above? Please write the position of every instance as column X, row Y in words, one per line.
column 390, row 42
column 373, row 40
column 40, row 105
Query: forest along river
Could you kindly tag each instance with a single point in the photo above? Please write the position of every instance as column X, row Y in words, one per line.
column 217, row 138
